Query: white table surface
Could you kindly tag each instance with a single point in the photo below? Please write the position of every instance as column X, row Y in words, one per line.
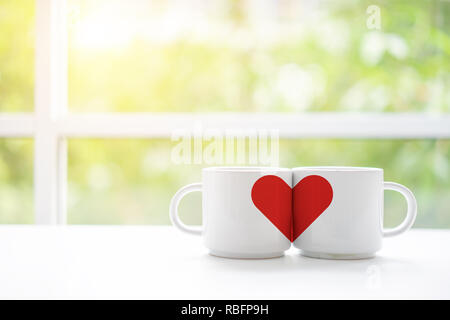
column 162, row 263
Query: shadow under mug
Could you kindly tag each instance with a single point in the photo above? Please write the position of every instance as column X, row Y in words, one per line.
column 232, row 226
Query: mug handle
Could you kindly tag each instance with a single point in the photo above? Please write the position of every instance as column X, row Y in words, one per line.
column 410, row 214
column 173, row 211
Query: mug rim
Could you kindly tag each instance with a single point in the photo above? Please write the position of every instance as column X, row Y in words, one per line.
column 338, row 169
column 241, row 169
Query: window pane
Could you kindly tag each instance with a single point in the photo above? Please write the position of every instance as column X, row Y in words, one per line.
column 108, row 184
column 265, row 55
column 132, row 181
column 16, row 181
column 16, row 55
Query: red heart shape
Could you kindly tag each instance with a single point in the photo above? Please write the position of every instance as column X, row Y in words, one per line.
column 273, row 197
column 312, row 195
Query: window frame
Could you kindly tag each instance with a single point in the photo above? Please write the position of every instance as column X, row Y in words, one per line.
column 51, row 124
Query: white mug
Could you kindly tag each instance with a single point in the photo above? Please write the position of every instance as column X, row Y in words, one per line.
column 346, row 221
column 233, row 226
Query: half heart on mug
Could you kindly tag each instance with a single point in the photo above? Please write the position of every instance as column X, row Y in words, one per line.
column 292, row 211
column 273, row 197
column 311, row 197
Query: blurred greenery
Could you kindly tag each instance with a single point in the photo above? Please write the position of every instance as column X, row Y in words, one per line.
column 230, row 55
column 16, row 181
column 262, row 56
column 16, row 55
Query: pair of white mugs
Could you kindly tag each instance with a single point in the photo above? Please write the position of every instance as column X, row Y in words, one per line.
column 327, row 212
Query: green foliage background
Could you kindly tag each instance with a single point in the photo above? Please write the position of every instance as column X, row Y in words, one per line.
column 343, row 66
